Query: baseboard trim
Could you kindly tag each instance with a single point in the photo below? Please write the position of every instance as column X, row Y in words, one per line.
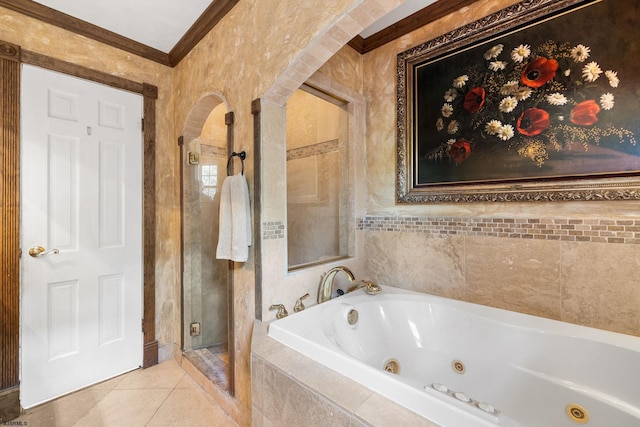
column 150, row 354
column 9, row 404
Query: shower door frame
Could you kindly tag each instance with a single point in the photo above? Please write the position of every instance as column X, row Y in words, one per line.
column 229, row 122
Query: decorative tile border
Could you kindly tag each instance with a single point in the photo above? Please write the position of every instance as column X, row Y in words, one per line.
column 566, row 229
column 273, row 230
column 313, row 150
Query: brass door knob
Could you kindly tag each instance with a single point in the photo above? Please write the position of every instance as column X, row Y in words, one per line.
column 38, row 251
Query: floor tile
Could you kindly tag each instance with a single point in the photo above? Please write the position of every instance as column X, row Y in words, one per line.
column 131, row 408
column 64, row 411
column 188, row 382
column 190, row 407
column 161, row 396
column 164, row 375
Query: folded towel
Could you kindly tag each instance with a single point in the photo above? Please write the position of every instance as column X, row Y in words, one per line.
column 234, row 236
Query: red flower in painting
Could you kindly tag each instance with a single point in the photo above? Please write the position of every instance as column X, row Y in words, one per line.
column 474, row 100
column 523, row 99
column 538, row 72
column 585, row 113
column 459, row 151
column 533, row 121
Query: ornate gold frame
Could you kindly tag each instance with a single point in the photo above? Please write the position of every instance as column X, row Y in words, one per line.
column 590, row 188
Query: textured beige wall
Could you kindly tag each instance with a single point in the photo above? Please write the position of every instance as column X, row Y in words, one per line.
column 589, row 283
column 280, row 44
column 272, row 38
column 39, row 37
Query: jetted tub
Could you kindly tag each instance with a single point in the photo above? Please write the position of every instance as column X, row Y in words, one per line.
column 464, row 365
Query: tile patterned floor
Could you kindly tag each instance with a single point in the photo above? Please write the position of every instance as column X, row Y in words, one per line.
column 161, row 396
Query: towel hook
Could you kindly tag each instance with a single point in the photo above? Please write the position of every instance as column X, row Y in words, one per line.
column 242, row 156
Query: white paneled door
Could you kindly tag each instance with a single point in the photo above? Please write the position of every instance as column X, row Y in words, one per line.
column 81, row 233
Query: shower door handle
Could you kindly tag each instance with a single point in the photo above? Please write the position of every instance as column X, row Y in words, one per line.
column 39, row 251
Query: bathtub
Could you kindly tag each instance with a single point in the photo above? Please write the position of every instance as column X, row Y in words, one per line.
column 461, row 365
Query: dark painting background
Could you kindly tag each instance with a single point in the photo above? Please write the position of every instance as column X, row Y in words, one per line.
column 611, row 28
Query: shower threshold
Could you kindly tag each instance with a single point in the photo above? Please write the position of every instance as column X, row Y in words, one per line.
column 213, row 362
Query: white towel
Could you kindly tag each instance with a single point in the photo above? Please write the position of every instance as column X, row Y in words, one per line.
column 234, row 236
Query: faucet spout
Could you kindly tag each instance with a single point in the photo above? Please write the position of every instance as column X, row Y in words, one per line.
column 326, row 282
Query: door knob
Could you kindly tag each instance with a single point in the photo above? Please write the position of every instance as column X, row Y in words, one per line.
column 38, row 251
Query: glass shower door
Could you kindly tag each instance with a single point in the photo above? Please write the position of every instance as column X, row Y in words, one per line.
column 205, row 294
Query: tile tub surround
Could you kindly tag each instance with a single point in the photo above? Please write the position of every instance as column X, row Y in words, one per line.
column 577, row 270
column 289, row 389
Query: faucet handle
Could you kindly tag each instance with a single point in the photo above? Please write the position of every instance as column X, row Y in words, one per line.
column 299, row 305
column 371, row 288
column 282, row 311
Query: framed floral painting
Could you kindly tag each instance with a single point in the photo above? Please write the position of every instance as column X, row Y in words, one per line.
column 539, row 101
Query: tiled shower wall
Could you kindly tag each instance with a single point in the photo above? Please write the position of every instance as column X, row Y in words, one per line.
column 570, row 269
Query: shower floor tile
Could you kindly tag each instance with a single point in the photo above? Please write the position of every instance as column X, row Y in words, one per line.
column 213, row 362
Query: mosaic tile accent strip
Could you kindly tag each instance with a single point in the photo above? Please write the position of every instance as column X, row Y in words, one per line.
column 273, row 230
column 566, row 229
column 313, row 150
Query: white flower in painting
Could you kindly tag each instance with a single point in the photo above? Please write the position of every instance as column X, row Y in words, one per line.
column 505, row 132
column 607, row 101
column 439, row 124
column 447, row 110
column 521, row 52
column 522, row 93
column 493, row 127
column 591, row 71
column 613, row 78
column 509, row 88
column 453, row 127
column 580, row 53
column 451, row 142
column 567, row 72
column 459, row 82
column 508, row 104
column 493, row 52
column 450, row 95
column 556, row 99
column 497, row 65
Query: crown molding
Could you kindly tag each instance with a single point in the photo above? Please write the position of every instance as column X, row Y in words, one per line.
column 78, row 26
column 209, row 18
column 425, row 16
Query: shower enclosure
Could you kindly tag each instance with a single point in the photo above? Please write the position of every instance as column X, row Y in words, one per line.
column 205, row 279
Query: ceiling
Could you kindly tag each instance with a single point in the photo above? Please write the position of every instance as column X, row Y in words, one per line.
column 166, row 30
column 171, row 19
column 160, row 30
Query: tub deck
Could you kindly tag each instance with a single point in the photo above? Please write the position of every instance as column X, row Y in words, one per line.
column 290, row 389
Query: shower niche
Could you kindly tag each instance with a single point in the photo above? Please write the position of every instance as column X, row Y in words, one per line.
column 207, row 311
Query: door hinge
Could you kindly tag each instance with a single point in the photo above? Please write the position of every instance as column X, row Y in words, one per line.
column 142, row 124
column 142, row 325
